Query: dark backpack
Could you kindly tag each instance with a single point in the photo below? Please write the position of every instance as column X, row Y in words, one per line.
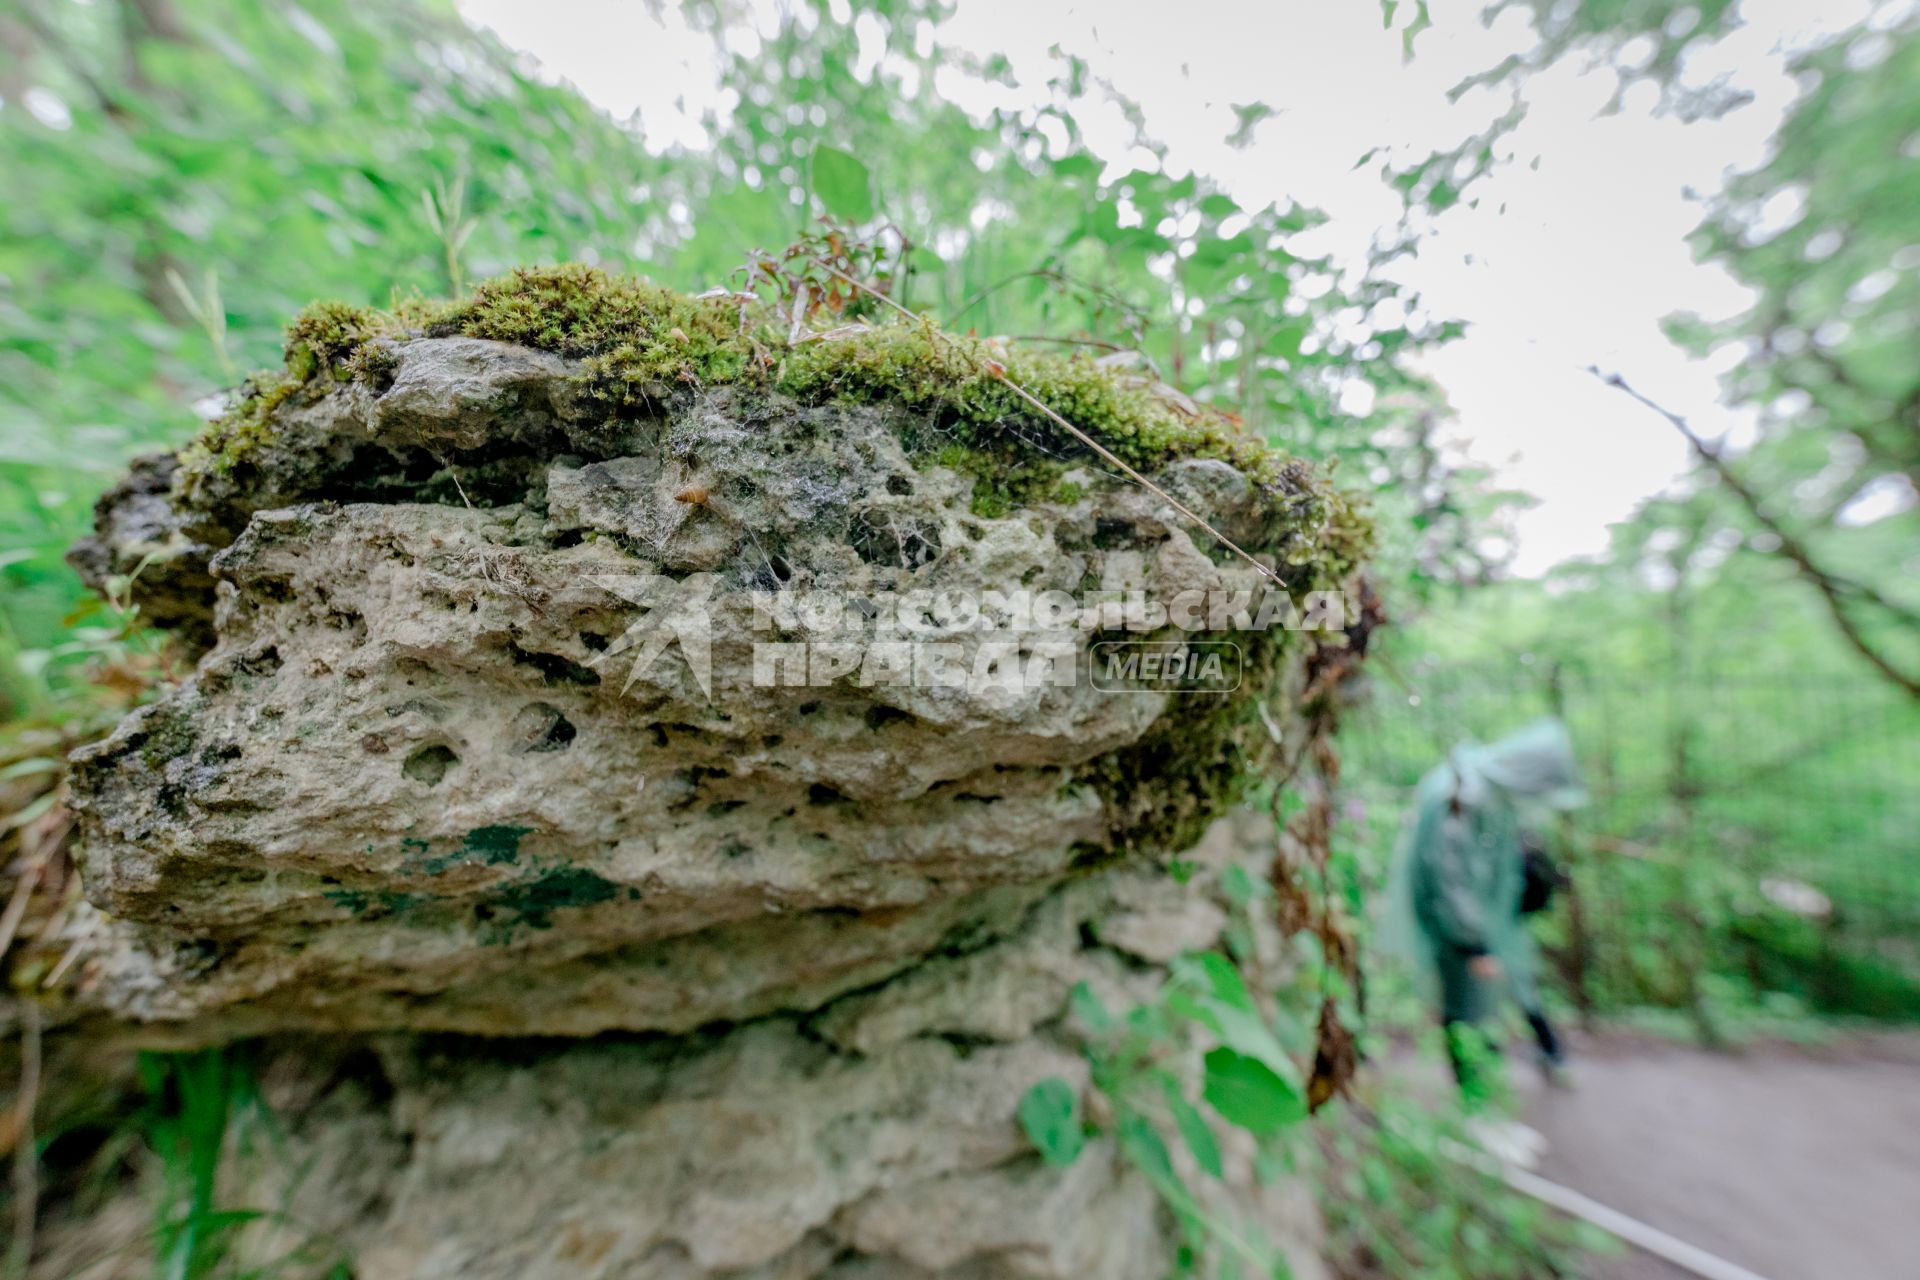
column 1540, row 875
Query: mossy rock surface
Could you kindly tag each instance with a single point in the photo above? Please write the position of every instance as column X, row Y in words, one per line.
column 634, row 349
column 421, row 780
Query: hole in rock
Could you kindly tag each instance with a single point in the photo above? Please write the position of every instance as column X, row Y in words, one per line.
column 878, row 716
column 540, row 726
column 430, row 764
column 554, row 669
column 1110, row 534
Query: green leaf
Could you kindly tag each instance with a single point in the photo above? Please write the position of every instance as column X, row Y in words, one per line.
column 1213, row 252
column 1102, row 222
column 1249, row 1093
column 1088, row 1008
column 1231, row 1017
column 1241, row 888
column 1194, row 1128
column 1285, row 341
column 1219, row 207
column 1147, row 1150
column 1219, row 977
column 1050, row 1113
column 843, row 184
column 28, row 766
column 1077, row 166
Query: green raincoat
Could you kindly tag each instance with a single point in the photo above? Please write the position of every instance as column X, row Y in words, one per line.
column 1454, row 893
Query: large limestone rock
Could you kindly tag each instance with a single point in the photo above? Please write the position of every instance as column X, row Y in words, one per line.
column 421, row 782
column 871, row 1139
column 483, row 742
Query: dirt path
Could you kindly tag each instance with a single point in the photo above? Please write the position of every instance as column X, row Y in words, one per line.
column 1798, row 1163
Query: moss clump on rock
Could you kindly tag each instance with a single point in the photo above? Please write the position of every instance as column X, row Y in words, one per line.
column 234, row 437
column 635, row 338
column 1003, row 479
column 953, row 378
column 1200, row 758
column 325, row 335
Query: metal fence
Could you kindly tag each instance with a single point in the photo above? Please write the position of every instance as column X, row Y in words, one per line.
column 1755, row 828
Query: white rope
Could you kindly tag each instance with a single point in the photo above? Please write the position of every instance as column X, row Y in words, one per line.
column 1632, row 1230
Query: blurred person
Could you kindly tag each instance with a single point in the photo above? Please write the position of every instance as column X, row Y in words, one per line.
column 1463, row 881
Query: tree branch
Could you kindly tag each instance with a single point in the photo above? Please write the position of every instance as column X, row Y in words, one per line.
column 1833, row 589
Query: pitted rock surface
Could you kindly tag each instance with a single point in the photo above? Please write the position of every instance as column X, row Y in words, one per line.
column 874, row 1139
column 420, row 782
column 480, row 744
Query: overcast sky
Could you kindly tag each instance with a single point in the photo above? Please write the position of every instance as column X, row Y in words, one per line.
column 1572, row 263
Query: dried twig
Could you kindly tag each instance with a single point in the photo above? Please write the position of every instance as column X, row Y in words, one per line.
column 455, row 477
column 1100, row 343
column 995, row 369
column 1136, row 316
column 1834, row 590
column 23, row 888
column 90, row 919
column 26, row 1149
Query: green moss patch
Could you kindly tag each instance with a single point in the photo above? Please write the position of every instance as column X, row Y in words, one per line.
column 496, row 845
column 1003, row 480
column 915, row 365
column 1199, row 759
column 230, row 440
column 638, row 343
column 325, row 336
column 533, row 902
column 635, row 338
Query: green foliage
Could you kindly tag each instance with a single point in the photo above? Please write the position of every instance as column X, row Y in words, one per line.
column 197, row 1096
column 1642, row 42
column 202, row 1109
column 842, row 183
column 1784, row 954
column 1401, row 1204
column 1195, row 1131
column 1719, row 781
column 1824, row 235
column 1253, row 1086
column 1050, row 1114
column 1249, row 1093
column 1736, row 738
column 202, row 180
